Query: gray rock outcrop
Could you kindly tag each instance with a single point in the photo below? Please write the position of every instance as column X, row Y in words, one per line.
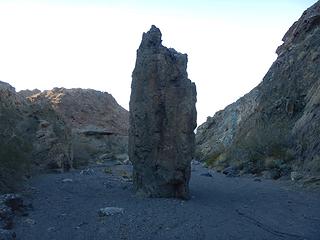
column 162, row 120
column 32, row 138
column 99, row 125
column 276, row 126
column 52, row 144
column 28, row 93
column 57, row 130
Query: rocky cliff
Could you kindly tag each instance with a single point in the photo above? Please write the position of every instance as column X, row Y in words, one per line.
column 273, row 130
column 32, row 137
column 57, row 129
column 99, row 124
column 162, row 120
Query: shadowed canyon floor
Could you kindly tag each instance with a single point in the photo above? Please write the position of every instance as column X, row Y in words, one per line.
column 65, row 206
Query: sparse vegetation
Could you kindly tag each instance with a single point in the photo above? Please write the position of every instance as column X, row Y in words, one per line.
column 15, row 151
column 255, row 150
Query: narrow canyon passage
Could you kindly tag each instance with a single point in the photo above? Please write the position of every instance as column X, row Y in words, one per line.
column 66, row 206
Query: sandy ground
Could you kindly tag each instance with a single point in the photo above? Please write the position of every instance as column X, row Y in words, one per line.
column 66, row 208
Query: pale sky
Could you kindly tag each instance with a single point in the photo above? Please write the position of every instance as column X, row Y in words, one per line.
column 92, row 44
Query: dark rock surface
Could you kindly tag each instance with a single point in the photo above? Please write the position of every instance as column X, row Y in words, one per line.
column 162, row 119
column 276, row 126
column 7, row 235
column 11, row 205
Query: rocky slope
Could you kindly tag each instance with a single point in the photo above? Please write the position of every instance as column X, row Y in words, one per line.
column 57, row 129
column 32, row 137
column 99, row 124
column 274, row 129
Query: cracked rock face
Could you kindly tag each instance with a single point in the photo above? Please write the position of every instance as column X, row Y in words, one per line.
column 162, row 120
column 99, row 125
column 32, row 138
column 276, row 126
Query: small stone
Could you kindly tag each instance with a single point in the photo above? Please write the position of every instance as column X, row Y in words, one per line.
column 127, row 162
column 195, row 162
column 127, row 179
column 87, row 171
column 110, row 211
column 67, row 180
column 207, row 174
column 295, row 176
column 44, row 124
column 231, row 172
column 30, row 221
column 81, row 224
column 51, row 229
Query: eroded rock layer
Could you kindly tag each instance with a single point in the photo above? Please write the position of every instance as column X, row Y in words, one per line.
column 99, row 125
column 162, row 119
column 32, row 137
column 274, row 129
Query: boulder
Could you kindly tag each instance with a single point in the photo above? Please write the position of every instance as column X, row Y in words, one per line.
column 162, row 120
column 110, row 211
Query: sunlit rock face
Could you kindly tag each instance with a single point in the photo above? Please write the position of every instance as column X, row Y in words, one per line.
column 162, row 120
